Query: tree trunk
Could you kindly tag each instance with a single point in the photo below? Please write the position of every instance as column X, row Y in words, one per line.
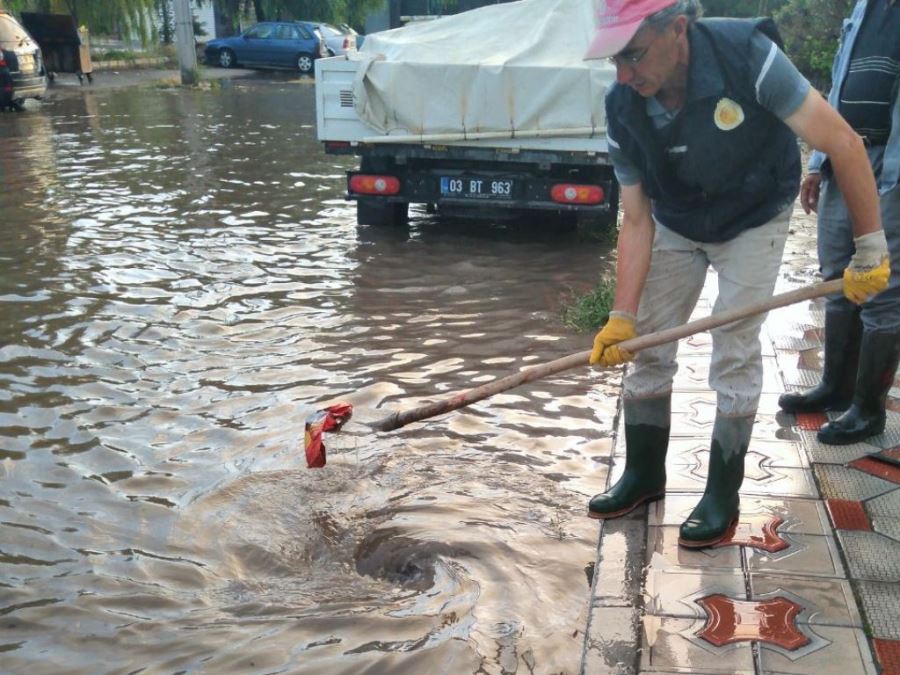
column 258, row 9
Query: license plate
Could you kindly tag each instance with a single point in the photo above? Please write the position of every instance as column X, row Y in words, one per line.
column 474, row 187
column 26, row 63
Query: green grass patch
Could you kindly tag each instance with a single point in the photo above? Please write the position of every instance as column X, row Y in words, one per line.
column 588, row 311
column 114, row 55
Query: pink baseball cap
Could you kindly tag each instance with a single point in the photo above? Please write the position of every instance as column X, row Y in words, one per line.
column 618, row 21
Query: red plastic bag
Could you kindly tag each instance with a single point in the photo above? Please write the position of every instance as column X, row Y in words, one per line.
column 331, row 419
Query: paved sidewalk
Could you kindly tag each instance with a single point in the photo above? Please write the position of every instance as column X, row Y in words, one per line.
column 809, row 583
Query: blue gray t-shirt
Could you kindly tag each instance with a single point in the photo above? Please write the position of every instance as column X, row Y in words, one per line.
column 780, row 89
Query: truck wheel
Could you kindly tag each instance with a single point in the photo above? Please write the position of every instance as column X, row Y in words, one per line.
column 380, row 214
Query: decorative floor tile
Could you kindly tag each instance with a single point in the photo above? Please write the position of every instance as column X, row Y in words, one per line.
column 771, row 621
column 675, row 593
column 699, row 344
column 848, row 515
column 798, row 379
column 827, row 602
column 759, row 477
column 822, row 453
column 768, row 404
column 758, row 532
column 845, row 652
column 838, row 482
column 810, row 421
column 693, row 375
column 807, row 555
column 881, row 604
column 801, row 516
column 782, row 453
column 670, row 645
column 663, row 541
column 888, row 654
column 885, row 513
column 871, row 556
column 807, row 338
column 882, row 470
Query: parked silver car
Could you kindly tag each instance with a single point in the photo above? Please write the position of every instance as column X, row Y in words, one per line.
column 339, row 39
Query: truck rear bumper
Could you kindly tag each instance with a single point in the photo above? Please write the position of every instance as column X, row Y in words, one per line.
column 495, row 190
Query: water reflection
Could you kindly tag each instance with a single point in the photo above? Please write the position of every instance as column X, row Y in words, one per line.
column 182, row 284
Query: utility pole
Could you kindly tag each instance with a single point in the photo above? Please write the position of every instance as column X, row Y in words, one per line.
column 184, row 36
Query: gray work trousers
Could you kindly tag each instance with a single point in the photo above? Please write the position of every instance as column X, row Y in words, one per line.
column 835, row 244
column 747, row 268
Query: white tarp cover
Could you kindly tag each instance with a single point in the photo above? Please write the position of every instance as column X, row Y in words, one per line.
column 508, row 67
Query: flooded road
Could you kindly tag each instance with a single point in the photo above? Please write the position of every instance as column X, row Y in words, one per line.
column 182, row 284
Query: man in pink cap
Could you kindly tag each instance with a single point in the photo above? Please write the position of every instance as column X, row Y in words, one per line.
column 702, row 125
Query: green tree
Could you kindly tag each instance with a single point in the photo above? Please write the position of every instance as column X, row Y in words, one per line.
column 100, row 16
column 811, row 30
column 742, row 8
column 352, row 12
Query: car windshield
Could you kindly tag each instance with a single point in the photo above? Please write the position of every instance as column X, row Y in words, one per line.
column 10, row 31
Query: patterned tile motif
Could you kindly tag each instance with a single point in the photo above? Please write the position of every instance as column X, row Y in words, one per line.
column 771, row 621
column 885, row 514
column 811, row 421
column 838, row 482
column 758, row 533
column 848, row 515
column 888, row 652
column 875, row 468
column 881, row 603
column 802, row 378
column 870, row 556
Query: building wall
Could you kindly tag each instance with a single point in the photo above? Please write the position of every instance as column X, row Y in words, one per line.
column 206, row 18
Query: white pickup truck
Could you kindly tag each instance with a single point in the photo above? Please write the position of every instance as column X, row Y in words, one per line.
column 492, row 111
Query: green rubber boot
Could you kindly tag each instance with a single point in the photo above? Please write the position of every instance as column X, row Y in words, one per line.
column 711, row 520
column 866, row 417
column 843, row 330
column 647, row 423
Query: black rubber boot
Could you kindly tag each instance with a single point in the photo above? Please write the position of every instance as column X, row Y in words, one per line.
column 878, row 359
column 647, row 424
column 843, row 329
column 718, row 510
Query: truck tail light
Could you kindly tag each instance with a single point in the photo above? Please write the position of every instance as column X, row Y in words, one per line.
column 3, row 62
column 570, row 193
column 374, row 185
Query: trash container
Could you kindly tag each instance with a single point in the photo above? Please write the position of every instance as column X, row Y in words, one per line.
column 66, row 48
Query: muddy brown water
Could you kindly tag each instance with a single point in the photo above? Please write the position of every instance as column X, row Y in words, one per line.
column 182, row 283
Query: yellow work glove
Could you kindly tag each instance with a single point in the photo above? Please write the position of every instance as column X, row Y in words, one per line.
column 619, row 328
column 869, row 270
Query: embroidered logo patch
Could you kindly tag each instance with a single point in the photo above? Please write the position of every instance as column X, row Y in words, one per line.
column 729, row 115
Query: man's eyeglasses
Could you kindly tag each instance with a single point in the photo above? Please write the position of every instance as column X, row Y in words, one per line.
column 632, row 57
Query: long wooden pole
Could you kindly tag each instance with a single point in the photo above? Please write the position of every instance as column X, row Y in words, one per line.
column 464, row 398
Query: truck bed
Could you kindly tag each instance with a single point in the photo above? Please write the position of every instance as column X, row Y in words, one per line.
column 338, row 121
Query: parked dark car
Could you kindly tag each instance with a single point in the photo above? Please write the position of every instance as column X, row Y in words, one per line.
column 21, row 66
column 291, row 45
